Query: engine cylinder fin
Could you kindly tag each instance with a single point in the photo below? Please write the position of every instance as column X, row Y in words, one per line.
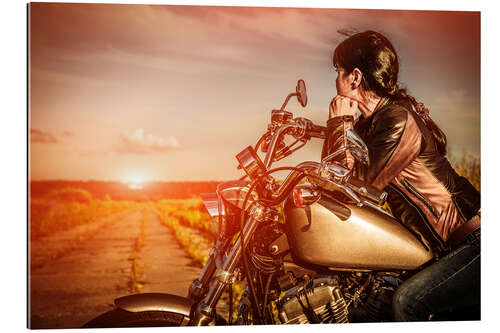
column 326, row 314
column 319, row 300
column 339, row 307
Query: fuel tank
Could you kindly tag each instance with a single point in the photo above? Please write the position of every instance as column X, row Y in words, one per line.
column 339, row 236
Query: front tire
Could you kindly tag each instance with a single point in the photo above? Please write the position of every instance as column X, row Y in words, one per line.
column 120, row 318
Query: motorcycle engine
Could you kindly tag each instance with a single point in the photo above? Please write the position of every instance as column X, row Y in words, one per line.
column 333, row 300
column 317, row 301
column 373, row 303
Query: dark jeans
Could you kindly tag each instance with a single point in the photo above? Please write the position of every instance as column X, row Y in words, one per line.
column 453, row 282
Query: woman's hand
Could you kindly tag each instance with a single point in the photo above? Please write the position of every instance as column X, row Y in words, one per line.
column 343, row 106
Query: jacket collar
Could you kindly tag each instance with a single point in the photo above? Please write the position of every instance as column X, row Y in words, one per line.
column 383, row 102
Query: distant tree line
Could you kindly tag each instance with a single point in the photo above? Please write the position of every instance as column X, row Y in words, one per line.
column 151, row 191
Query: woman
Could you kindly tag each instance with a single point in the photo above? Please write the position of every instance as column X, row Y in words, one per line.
column 407, row 159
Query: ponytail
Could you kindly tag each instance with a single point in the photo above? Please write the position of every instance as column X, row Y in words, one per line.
column 423, row 113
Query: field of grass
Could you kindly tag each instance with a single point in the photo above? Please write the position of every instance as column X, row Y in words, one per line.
column 190, row 226
column 65, row 208
column 468, row 166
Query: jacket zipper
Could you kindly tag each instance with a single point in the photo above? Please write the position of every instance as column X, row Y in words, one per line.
column 442, row 247
column 421, row 197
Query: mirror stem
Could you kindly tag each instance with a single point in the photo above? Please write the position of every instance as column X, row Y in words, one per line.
column 287, row 99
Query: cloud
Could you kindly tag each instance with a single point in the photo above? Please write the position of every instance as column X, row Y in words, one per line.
column 70, row 42
column 458, row 115
column 173, row 38
column 38, row 136
column 453, row 99
column 456, row 106
column 138, row 142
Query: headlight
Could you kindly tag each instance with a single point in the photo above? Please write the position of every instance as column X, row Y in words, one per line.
column 225, row 206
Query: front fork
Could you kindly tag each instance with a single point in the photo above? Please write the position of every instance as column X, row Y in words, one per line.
column 204, row 312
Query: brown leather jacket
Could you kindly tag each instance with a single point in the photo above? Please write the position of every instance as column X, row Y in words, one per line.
column 424, row 191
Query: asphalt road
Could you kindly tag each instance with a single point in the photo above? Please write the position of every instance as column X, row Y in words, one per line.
column 76, row 275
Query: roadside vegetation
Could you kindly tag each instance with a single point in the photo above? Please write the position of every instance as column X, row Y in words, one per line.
column 66, row 208
column 468, row 166
column 190, row 226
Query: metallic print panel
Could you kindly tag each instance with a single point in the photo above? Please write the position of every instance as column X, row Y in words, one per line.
column 368, row 239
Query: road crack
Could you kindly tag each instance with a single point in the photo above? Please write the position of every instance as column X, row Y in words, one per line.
column 74, row 244
column 137, row 278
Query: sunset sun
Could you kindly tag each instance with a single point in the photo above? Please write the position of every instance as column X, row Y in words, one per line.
column 135, row 182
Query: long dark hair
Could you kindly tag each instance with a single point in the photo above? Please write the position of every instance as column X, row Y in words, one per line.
column 373, row 54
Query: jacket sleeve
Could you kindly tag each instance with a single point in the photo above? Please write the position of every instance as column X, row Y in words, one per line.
column 336, row 139
column 393, row 142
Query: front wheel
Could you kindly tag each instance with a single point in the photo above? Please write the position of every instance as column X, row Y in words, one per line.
column 120, row 318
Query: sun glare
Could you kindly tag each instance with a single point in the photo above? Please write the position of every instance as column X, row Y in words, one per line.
column 135, row 182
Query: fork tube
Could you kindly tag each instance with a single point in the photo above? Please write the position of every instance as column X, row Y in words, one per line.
column 206, row 308
column 230, row 262
column 198, row 286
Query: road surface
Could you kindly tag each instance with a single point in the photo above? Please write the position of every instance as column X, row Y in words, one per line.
column 76, row 275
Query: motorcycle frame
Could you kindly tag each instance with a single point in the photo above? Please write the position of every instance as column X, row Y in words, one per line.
column 204, row 311
column 224, row 267
column 205, row 291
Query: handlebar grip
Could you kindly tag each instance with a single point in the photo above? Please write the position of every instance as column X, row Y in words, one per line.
column 366, row 190
column 317, row 131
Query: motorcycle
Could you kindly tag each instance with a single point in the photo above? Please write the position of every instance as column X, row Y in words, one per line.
column 314, row 248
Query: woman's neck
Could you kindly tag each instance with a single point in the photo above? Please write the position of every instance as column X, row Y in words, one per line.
column 369, row 104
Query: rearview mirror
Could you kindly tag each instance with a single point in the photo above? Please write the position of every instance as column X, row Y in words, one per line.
column 301, row 92
column 357, row 147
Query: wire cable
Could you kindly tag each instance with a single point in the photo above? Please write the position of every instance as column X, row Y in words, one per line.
column 243, row 252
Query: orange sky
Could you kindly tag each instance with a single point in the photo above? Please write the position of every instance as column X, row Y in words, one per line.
column 175, row 92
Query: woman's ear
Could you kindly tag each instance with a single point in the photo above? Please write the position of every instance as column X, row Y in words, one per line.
column 357, row 76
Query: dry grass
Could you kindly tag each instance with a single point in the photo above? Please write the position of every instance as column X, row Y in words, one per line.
column 468, row 166
column 66, row 208
column 188, row 227
column 190, row 213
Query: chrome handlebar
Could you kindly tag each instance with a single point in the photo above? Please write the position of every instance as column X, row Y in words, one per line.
column 300, row 128
column 278, row 135
column 308, row 168
column 326, row 174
